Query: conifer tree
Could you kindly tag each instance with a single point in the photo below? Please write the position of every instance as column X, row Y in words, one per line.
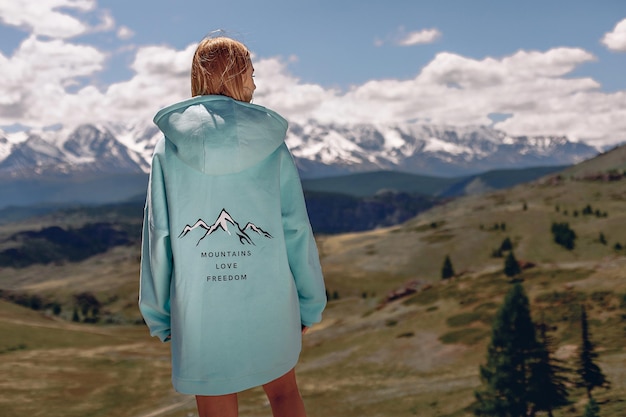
column 447, row 271
column 510, row 353
column 506, row 244
column 511, row 266
column 547, row 384
column 56, row 308
column 563, row 235
column 590, row 374
column 592, row 409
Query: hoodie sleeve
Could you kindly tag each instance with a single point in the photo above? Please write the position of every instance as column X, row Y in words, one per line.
column 156, row 258
column 301, row 248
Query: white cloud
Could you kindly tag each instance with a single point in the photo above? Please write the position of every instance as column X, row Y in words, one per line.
column 616, row 40
column 534, row 87
column 46, row 82
column 50, row 82
column 125, row 33
column 36, row 79
column 54, row 81
column 42, row 17
column 278, row 89
column 420, row 37
column 403, row 38
column 161, row 78
column 107, row 23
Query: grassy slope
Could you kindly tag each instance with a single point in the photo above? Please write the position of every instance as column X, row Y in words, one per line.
column 53, row 190
column 369, row 183
column 415, row 250
column 417, row 356
column 614, row 159
column 54, row 368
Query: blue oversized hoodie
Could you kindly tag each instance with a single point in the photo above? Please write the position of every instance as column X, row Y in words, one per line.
column 229, row 265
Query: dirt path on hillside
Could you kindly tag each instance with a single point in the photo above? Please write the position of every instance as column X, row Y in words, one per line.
column 180, row 405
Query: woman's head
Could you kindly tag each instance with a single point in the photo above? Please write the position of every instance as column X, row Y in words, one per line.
column 222, row 66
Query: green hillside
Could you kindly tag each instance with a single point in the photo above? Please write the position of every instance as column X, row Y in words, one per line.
column 416, row 355
column 612, row 161
column 332, row 213
column 370, row 183
column 466, row 230
column 84, row 189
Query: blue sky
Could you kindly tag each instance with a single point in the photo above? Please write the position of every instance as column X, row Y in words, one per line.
column 535, row 67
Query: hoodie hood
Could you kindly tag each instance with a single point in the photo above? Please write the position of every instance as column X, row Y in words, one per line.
column 217, row 135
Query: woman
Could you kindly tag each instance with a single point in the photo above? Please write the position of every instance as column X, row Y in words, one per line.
column 230, row 272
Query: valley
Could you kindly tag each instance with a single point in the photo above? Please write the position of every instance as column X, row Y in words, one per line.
column 376, row 353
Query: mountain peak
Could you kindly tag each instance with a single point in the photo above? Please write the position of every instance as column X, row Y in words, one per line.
column 319, row 150
column 438, row 150
column 87, row 149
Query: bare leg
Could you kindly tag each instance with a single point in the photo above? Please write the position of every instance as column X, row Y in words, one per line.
column 285, row 397
column 217, row 406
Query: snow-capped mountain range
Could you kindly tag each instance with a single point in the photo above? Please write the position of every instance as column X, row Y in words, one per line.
column 320, row 150
column 88, row 149
column 425, row 149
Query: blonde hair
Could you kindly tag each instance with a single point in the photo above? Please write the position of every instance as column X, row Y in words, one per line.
column 218, row 67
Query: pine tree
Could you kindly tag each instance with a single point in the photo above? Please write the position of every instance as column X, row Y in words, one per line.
column 510, row 353
column 547, row 389
column 590, row 374
column 56, row 308
column 592, row 409
column 447, row 271
column 511, row 266
column 75, row 316
column 563, row 235
column 506, row 244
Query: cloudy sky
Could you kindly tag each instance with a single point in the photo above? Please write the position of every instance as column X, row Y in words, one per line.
column 533, row 67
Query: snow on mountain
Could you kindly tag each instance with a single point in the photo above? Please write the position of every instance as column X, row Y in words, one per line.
column 5, row 148
column 31, row 157
column 139, row 137
column 96, row 149
column 87, row 149
column 319, row 149
column 425, row 149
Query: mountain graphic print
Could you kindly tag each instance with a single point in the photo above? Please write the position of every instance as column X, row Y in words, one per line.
column 227, row 224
